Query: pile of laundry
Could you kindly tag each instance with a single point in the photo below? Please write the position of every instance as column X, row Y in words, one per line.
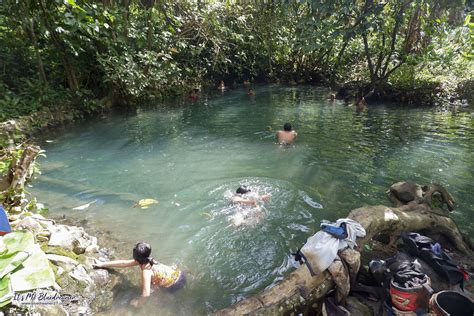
column 401, row 284
column 334, row 248
column 404, row 286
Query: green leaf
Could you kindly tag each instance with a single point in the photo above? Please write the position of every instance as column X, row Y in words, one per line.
column 10, row 262
column 18, row 241
column 36, row 272
column 25, row 264
column 467, row 20
column 6, row 293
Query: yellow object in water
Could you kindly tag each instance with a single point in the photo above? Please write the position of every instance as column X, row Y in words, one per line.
column 206, row 214
column 144, row 203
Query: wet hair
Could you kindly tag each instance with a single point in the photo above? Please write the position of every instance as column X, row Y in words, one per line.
column 242, row 190
column 142, row 252
column 287, row 127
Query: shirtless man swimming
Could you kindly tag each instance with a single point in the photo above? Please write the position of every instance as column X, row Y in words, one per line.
column 287, row 135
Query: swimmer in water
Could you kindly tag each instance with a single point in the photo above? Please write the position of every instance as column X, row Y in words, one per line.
column 154, row 274
column 250, row 212
column 287, row 135
column 241, row 196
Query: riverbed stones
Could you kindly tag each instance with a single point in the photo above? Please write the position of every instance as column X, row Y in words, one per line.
column 30, row 224
column 71, row 238
column 60, row 271
column 100, row 276
column 48, row 310
column 68, row 264
column 80, row 274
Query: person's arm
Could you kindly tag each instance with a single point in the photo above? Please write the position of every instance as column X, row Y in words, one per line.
column 240, row 200
column 266, row 197
column 146, row 288
column 116, row 264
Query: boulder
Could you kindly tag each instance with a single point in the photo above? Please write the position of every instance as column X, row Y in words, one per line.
column 70, row 237
column 92, row 249
column 66, row 263
column 406, row 192
column 30, row 224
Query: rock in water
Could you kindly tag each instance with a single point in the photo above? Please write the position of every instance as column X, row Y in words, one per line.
column 406, row 191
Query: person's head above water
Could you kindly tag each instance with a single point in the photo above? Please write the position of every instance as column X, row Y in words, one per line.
column 142, row 252
column 287, row 127
column 242, row 190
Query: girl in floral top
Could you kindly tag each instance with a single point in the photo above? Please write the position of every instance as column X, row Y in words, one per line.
column 154, row 273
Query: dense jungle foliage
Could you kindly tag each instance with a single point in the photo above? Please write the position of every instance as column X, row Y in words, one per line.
column 89, row 54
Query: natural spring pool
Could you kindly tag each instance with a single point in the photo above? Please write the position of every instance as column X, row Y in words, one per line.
column 191, row 156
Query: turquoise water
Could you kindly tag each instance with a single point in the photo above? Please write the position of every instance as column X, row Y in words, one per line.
column 191, row 156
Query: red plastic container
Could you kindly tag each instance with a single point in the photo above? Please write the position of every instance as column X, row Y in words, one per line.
column 405, row 299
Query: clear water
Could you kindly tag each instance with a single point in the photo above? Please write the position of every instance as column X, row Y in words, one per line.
column 191, row 157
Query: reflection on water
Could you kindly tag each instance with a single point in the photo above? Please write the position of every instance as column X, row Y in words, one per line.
column 193, row 157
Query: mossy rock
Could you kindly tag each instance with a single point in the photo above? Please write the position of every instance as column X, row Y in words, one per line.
column 63, row 252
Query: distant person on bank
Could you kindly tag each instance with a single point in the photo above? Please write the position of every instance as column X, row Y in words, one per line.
column 287, row 135
column 193, row 94
column 154, row 274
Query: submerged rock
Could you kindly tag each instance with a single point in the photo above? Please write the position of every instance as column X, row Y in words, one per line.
column 100, row 276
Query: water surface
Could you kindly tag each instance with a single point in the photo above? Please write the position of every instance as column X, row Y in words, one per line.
column 191, row 157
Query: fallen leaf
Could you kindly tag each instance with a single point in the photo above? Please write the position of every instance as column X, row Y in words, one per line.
column 84, row 206
column 144, row 203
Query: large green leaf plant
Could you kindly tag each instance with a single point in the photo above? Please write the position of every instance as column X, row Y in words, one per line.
column 23, row 266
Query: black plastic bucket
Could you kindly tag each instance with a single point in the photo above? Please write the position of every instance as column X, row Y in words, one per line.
column 452, row 303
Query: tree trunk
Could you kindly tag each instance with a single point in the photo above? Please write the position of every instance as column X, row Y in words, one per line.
column 31, row 31
column 126, row 14
column 149, row 24
column 59, row 44
column 20, row 172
